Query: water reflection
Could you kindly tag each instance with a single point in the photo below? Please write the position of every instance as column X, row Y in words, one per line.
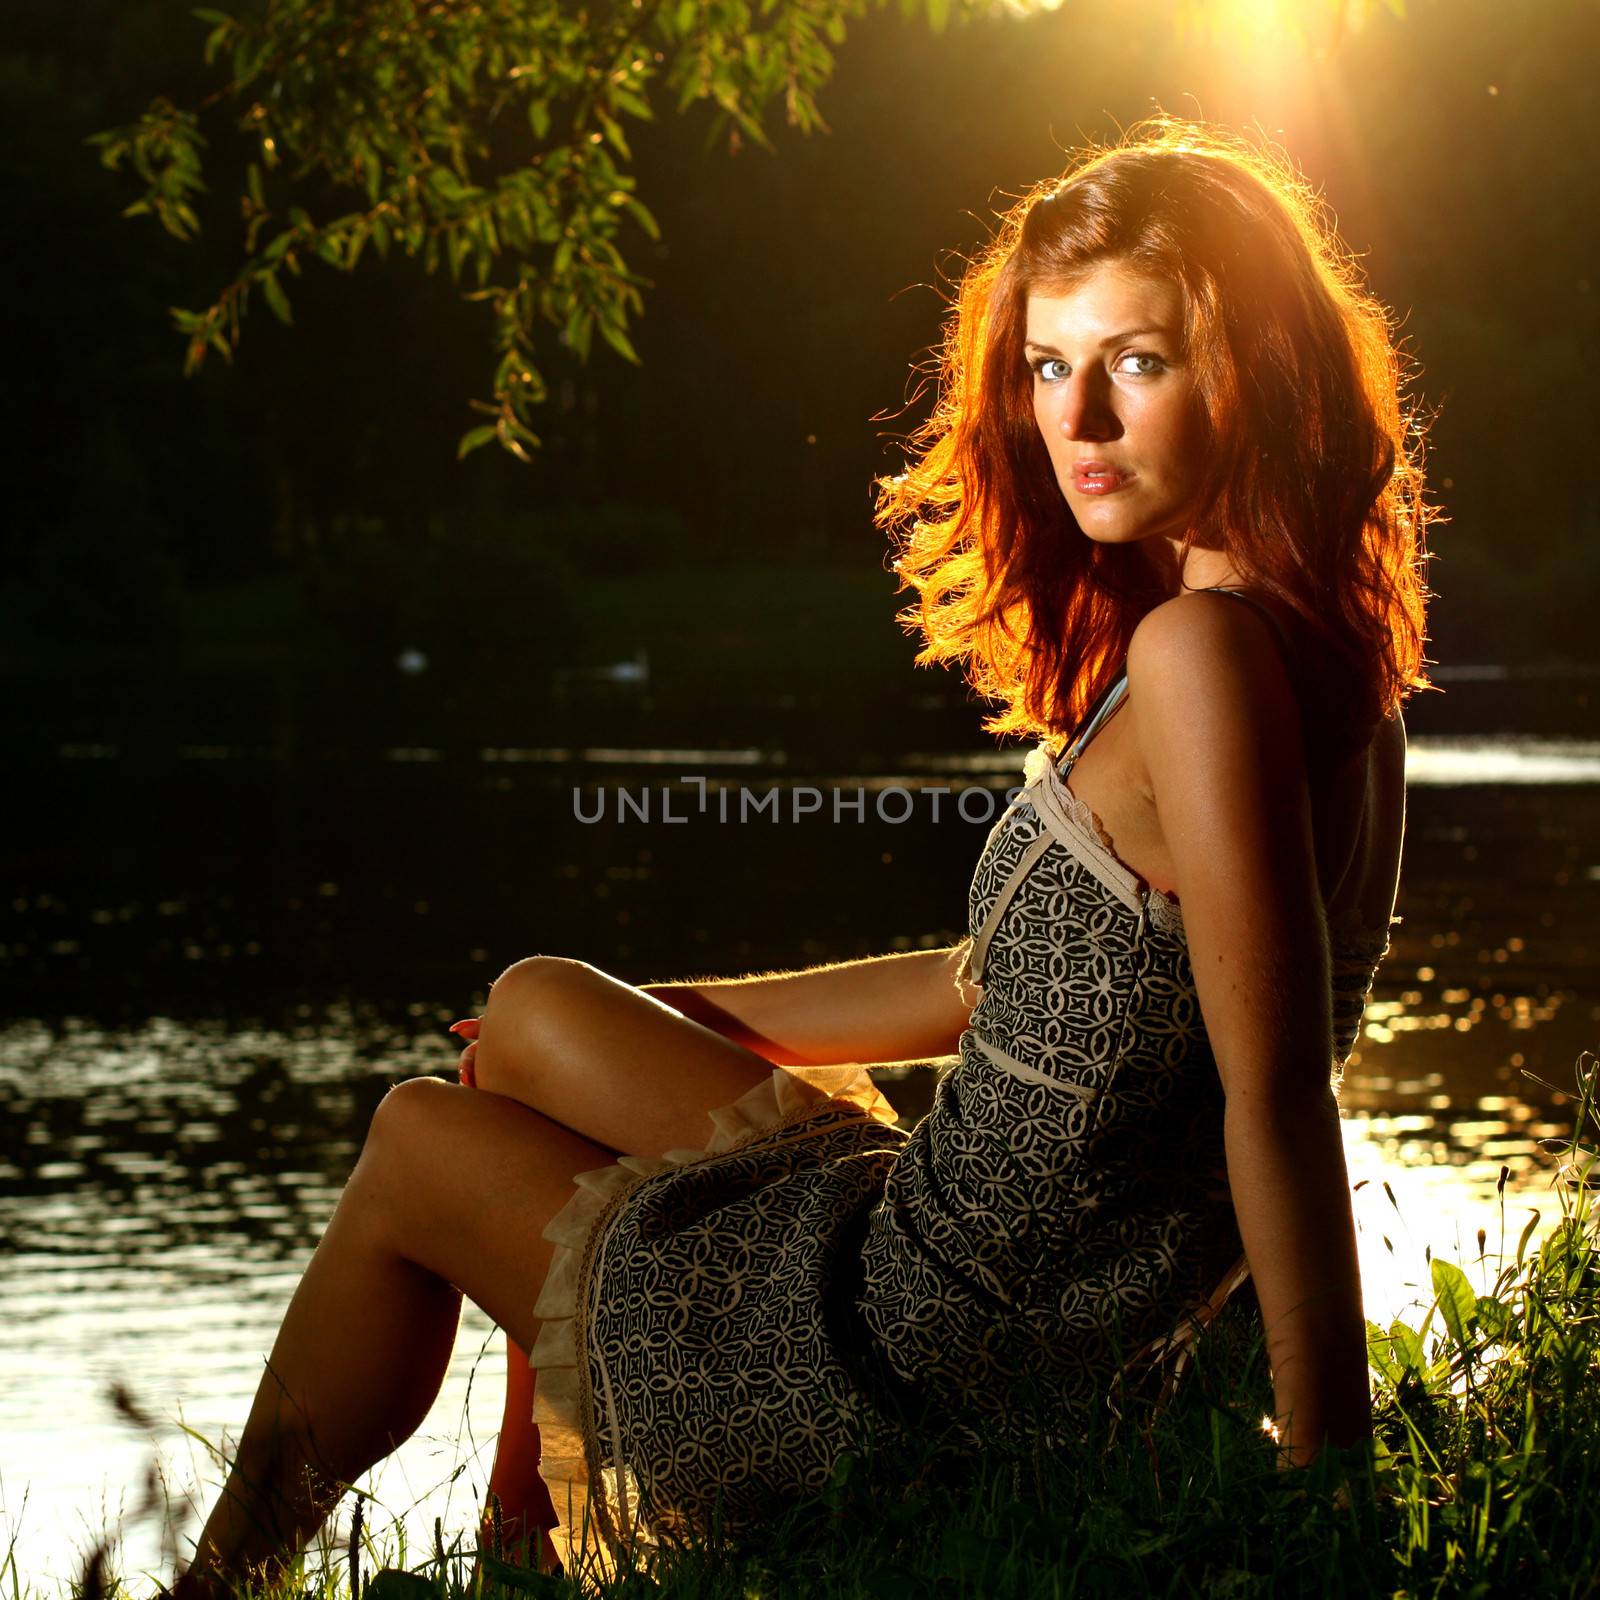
column 1430, row 759
column 162, row 1188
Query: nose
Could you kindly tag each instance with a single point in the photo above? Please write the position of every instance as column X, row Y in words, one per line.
column 1087, row 409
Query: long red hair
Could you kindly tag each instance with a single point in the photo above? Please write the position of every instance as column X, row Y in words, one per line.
column 1314, row 489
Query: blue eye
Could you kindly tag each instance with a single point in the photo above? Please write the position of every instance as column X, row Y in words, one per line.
column 1040, row 365
column 1141, row 364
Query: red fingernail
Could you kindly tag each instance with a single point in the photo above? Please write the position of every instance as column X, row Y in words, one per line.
column 456, row 1027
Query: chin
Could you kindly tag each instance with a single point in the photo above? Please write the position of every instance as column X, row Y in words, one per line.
column 1112, row 534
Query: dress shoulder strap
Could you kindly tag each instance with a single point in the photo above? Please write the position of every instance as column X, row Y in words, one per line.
column 1261, row 609
column 1097, row 716
column 1112, row 695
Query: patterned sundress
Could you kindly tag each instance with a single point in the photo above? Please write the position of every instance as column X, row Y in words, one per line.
column 721, row 1323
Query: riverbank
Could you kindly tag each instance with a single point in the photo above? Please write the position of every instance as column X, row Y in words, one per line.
column 1477, row 1483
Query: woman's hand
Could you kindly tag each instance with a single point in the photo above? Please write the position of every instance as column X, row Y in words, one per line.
column 467, row 1029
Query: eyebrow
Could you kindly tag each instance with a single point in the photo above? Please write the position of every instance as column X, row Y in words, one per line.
column 1115, row 338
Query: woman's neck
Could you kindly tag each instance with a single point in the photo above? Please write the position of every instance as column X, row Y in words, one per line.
column 1201, row 568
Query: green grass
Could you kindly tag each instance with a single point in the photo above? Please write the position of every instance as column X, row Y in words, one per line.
column 1483, row 1478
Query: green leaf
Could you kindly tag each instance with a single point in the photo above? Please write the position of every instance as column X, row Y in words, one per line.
column 511, row 363
column 252, row 178
column 277, row 300
column 619, row 341
column 1380, row 1353
column 447, row 184
column 1407, row 1346
column 215, row 40
column 634, row 105
column 475, row 439
column 578, row 329
column 637, row 210
column 613, row 132
column 539, row 118
column 1562, row 1243
column 1493, row 1318
column 172, row 219
column 1527, row 1234
column 1457, row 1302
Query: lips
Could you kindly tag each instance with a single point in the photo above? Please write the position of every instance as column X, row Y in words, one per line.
column 1097, row 477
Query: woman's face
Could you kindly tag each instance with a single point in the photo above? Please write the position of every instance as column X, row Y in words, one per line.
column 1116, row 403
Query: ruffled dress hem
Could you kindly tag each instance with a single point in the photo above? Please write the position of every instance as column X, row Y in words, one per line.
column 563, row 1406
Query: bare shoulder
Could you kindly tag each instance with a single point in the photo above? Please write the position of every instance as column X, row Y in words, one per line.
column 1199, row 649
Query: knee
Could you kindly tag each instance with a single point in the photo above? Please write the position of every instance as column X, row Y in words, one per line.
column 533, row 982
column 403, row 1117
column 401, row 1147
column 527, row 1006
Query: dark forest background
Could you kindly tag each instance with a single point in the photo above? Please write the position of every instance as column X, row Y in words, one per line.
column 713, row 505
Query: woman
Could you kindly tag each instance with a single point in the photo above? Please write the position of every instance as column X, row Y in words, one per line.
column 1168, row 503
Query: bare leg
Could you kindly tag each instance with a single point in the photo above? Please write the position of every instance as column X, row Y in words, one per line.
column 606, row 1059
column 516, row 1490
column 451, row 1195
column 526, row 1509
column 618, row 1066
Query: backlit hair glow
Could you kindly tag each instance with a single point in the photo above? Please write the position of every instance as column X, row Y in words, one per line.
column 1314, row 486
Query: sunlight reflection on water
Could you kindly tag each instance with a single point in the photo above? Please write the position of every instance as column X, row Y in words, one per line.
column 1430, row 759
column 164, row 1263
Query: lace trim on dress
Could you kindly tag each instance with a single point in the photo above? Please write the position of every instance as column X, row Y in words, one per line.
column 1356, row 951
column 1083, row 833
column 576, row 1464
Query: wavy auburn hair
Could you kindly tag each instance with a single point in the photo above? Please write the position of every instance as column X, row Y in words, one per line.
column 1314, row 485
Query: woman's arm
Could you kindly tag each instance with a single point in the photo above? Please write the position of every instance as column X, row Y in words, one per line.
column 900, row 1007
column 1219, row 730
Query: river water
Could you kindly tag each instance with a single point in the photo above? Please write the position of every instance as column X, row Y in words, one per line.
column 217, row 955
